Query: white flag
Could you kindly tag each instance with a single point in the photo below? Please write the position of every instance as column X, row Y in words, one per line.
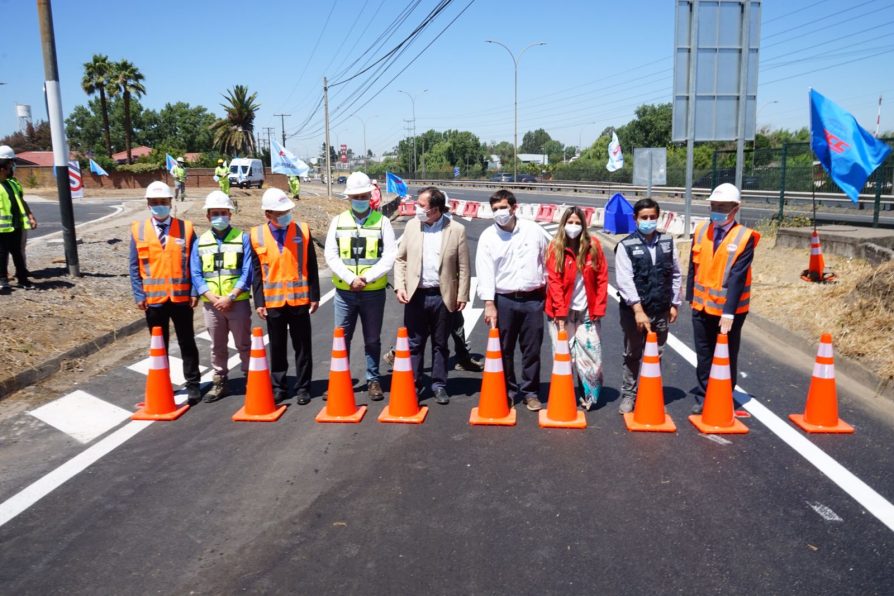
column 283, row 162
column 615, row 157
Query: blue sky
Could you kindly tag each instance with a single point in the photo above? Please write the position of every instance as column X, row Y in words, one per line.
column 602, row 59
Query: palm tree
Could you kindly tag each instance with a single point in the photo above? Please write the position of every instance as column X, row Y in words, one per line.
column 234, row 134
column 127, row 80
column 97, row 79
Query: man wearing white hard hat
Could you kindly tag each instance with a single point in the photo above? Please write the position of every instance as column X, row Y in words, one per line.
column 718, row 286
column 160, row 247
column 179, row 173
column 360, row 251
column 286, row 291
column 220, row 264
column 15, row 220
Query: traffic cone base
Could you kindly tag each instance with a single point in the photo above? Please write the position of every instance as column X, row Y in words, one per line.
column 667, row 426
column 841, row 427
column 242, row 416
column 144, row 415
column 354, row 418
column 477, row 420
column 580, row 421
column 417, row 418
column 736, row 428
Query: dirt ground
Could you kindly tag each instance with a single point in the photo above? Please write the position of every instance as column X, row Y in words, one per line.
column 63, row 312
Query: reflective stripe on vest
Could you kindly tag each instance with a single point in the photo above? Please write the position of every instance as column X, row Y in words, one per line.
column 6, row 223
column 284, row 271
column 347, row 233
column 164, row 270
column 712, row 268
column 222, row 263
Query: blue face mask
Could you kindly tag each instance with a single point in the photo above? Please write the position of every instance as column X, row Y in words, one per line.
column 284, row 220
column 719, row 218
column 160, row 211
column 360, row 205
column 220, row 222
column 646, row 226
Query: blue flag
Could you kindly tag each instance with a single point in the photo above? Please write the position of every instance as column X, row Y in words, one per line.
column 394, row 183
column 170, row 163
column 847, row 151
column 283, row 162
column 95, row 168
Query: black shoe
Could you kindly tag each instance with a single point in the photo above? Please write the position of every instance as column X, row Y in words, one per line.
column 697, row 409
column 469, row 364
column 26, row 285
column 5, row 287
column 302, row 398
column 374, row 391
column 280, row 396
column 441, row 396
column 193, row 394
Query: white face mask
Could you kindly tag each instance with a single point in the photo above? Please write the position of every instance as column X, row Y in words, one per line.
column 572, row 230
column 502, row 216
column 421, row 213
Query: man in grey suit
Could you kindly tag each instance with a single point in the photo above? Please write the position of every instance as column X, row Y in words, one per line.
column 431, row 277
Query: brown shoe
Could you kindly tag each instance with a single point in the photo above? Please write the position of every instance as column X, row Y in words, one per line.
column 374, row 391
column 218, row 389
column 532, row 403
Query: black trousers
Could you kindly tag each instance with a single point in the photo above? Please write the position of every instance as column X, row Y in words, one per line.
column 520, row 320
column 426, row 316
column 11, row 244
column 282, row 323
column 181, row 314
column 458, row 333
column 705, row 329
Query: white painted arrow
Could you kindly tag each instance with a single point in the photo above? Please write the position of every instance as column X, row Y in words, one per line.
column 471, row 315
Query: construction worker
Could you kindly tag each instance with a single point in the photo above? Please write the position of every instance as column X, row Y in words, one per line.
column 719, row 283
column 160, row 248
column 221, row 269
column 15, row 219
column 222, row 175
column 295, row 187
column 179, row 180
column 286, row 290
column 360, row 250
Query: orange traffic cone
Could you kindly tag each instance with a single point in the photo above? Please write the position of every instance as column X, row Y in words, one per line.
column 259, row 403
column 493, row 404
column 717, row 416
column 159, row 404
column 816, row 267
column 561, row 408
column 648, row 413
column 340, row 407
column 821, row 412
column 403, row 406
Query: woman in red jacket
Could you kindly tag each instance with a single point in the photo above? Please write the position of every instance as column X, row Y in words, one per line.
column 576, row 293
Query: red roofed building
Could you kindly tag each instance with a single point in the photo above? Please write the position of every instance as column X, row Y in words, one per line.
column 142, row 150
column 43, row 159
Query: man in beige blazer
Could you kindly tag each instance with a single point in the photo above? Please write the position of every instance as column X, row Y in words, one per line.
column 431, row 277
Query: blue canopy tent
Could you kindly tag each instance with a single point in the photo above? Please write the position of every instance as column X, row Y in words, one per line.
column 619, row 215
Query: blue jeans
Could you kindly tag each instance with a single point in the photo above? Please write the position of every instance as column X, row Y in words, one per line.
column 371, row 307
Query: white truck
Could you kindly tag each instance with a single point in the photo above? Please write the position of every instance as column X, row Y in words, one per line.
column 246, row 172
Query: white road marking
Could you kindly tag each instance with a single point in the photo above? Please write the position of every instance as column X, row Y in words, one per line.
column 471, row 315
column 81, row 415
column 716, row 439
column 824, row 512
column 230, row 343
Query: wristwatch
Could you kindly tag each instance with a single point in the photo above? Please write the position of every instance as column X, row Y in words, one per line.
column 232, row 296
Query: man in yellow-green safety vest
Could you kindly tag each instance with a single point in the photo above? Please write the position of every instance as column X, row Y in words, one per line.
column 179, row 173
column 222, row 274
column 295, row 187
column 360, row 250
column 15, row 219
column 222, row 173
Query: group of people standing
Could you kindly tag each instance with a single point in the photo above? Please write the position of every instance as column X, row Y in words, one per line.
column 521, row 272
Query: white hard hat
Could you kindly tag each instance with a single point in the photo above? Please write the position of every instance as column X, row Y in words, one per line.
column 158, row 190
column 725, row 193
column 6, row 152
column 358, row 183
column 217, row 199
column 180, row 159
column 275, row 199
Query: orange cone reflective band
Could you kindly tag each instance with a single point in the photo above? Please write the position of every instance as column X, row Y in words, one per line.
column 493, row 403
column 340, row 406
column 403, row 406
column 717, row 415
column 821, row 412
column 259, row 403
column 159, row 403
column 648, row 413
column 561, row 408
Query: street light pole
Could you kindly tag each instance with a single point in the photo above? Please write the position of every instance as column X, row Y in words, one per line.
column 413, row 105
column 515, row 62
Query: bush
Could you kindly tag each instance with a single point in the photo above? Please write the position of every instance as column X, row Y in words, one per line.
column 140, row 168
column 31, row 181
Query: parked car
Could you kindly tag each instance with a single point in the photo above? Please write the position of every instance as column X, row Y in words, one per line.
column 341, row 180
column 527, row 178
column 507, row 177
column 246, row 172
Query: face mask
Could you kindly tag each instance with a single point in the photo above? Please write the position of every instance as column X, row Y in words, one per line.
column 220, row 222
column 421, row 214
column 360, row 205
column 719, row 218
column 160, row 211
column 502, row 216
column 284, row 220
column 573, row 230
column 647, row 226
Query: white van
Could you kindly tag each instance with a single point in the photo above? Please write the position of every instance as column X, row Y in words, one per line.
column 246, row 172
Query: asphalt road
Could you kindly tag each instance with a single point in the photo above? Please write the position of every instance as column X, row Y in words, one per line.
column 207, row 505
column 49, row 219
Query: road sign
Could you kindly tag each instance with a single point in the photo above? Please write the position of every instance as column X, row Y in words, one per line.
column 456, row 171
column 649, row 167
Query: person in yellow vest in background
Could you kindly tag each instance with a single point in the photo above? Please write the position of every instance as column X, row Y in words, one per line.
column 160, row 247
column 360, row 251
column 15, row 220
column 179, row 179
column 295, row 187
column 222, row 175
column 220, row 264
column 719, row 283
column 286, row 290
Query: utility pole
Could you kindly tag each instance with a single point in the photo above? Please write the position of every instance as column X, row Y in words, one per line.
column 410, row 133
column 270, row 130
column 282, row 119
column 57, row 132
column 413, row 104
column 328, row 148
